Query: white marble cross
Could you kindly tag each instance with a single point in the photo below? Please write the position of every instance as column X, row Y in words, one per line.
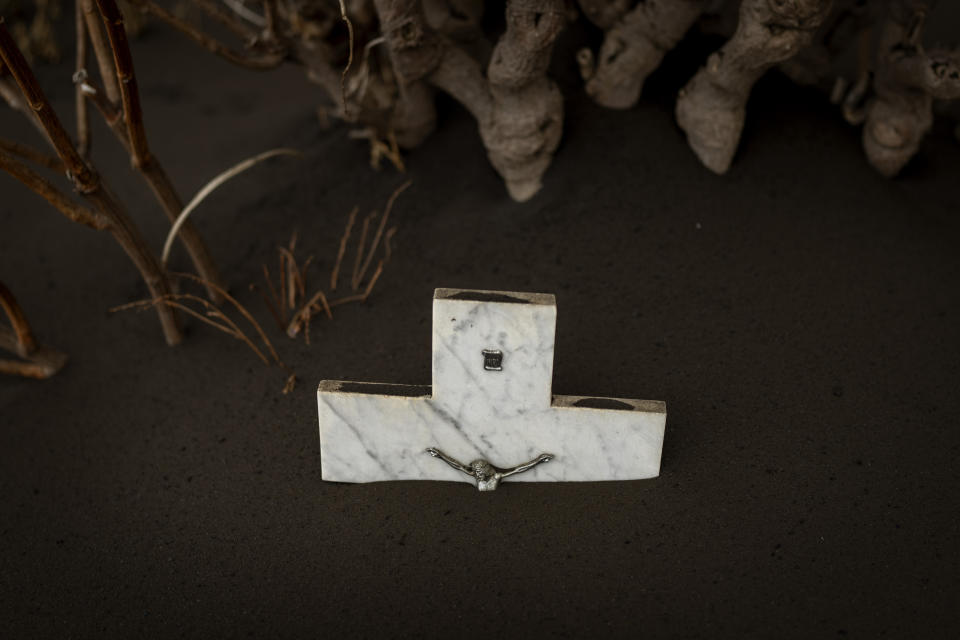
column 491, row 400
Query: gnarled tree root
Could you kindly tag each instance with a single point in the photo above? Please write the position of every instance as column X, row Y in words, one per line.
column 711, row 108
column 906, row 82
column 633, row 48
column 519, row 110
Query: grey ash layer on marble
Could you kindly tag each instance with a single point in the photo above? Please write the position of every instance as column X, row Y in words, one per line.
column 372, row 431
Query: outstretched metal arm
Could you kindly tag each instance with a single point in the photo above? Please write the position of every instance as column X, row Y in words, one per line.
column 456, row 464
column 543, row 457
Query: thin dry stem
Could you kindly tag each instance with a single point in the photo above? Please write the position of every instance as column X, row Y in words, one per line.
column 173, row 301
column 83, row 114
column 31, row 154
column 101, row 51
column 268, row 60
column 361, row 297
column 25, row 342
column 358, row 260
column 380, row 228
column 208, row 188
column 45, row 189
column 239, row 307
column 83, row 177
column 387, row 250
column 129, row 95
column 343, row 76
column 334, row 275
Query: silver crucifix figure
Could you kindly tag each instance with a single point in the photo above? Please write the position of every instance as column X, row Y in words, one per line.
column 488, row 477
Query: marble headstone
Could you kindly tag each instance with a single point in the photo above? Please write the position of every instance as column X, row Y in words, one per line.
column 490, row 399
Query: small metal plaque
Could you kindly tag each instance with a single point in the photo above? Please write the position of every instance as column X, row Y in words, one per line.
column 492, row 360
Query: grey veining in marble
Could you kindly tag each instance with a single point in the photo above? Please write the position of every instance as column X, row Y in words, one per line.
column 490, row 399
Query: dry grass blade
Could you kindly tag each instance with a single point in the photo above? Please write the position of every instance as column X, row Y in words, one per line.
column 379, row 234
column 83, row 114
column 290, row 384
column 302, row 316
column 240, row 308
column 361, row 297
column 387, row 250
column 212, row 185
column 354, row 277
column 343, row 248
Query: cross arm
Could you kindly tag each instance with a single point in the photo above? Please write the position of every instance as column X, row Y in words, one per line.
column 456, row 464
column 543, row 457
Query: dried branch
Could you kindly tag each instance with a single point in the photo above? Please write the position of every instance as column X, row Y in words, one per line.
column 358, row 260
column 129, row 95
column 31, row 154
column 83, row 177
column 150, row 169
column 240, row 308
column 267, row 60
column 26, row 343
column 41, row 362
column 83, row 114
column 380, row 228
column 87, row 182
column 173, row 301
column 101, row 50
column 334, row 275
column 45, row 189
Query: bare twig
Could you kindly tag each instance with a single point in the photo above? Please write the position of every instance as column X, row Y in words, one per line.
column 358, row 259
column 101, row 50
column 83, row 177
column 361, row 297
column 302, row 317
column 239, row 307
column 174, row 301
column 343, row 248
column 45, row 189
column 266, row 60
column 42, row 362
column 380, row 228
column 87, row 182
column 26, row 343
column 83, row 114
column 129, row 95
column 11, row 95
column 31, row 154
column 149, row 167
column 387, row 251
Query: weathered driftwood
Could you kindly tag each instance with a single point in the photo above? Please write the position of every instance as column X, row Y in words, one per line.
column 711, row 108
column 907, row 79
column 518, row 109
column 633, row 46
